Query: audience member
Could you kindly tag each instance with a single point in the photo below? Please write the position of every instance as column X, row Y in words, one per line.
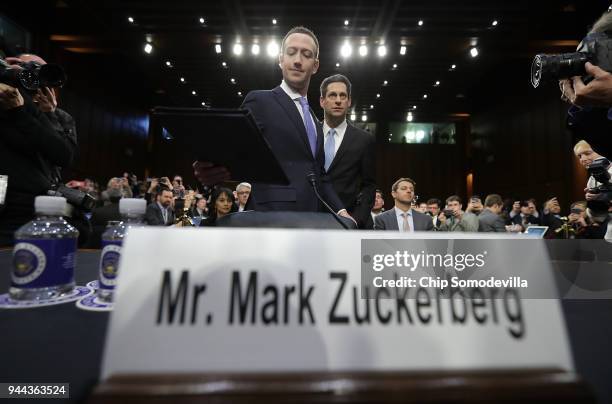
column 402, row 217
column 160, row 212
column 458, row 220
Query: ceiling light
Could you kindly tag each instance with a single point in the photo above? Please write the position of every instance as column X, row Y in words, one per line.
column 409, row 117
column 194, row 92
column 272, row 49
column 377, row 95
column 382, row 51
column 148, row 48
column 218, row 48
column 424, row 96
column 337, row 64
column 402, row 50
column 182, row 79
column 385, row 83
column 240, row 93
column 353, row 117
column 494, row 23
column 364, row 117
column 131, row 20
column 420, row 23
column 346, row 50
column 237, row 49
column 414, row 107
column 363, row 50
column 371, row 106
column 437, row 83
column 394, row 66
column 202, row 20
column 255, row 49
column 453, row 67
column 168, row 63
column 346, row 22
column 203, row 104
column 224, row 64
column 274, row 21
column 474, row 52
column 233, row 80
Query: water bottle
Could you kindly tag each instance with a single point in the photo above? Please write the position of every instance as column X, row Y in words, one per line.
column 132, row 212
column 44, row 255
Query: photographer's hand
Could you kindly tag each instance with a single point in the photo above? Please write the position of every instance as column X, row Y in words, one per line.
column 10, row 97
column 45, row 99
column 597, row 93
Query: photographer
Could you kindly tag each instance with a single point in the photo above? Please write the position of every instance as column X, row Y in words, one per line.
column 599, row 186
column 35, row 142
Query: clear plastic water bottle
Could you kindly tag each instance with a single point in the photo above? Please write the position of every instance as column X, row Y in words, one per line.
column 44, row 255
column 133, row 211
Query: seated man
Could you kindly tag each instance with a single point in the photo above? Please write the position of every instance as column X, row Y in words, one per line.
column 160, row 212
column 402, row 217
column 489, row 219
column 526, row 218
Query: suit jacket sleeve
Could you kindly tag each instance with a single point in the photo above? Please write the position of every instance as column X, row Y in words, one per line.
column 368, row 182
column 379, row 224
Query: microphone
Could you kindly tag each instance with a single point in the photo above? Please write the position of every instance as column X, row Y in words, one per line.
column 312, row 179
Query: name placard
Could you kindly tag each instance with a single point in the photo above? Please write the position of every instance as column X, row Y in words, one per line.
column 250, row 300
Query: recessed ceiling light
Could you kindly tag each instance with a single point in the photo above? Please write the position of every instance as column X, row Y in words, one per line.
column 394, row 65
column 420, row 23
column 240, row 93
column 233, row 80
column 364, row 117
column 203, row 104
column 337, row 64
column 346, row 22
column 363, row 50
column 237, row 49
column 424, row 96
column 131, row 20
column 255, row 49
column 168, row 63
column 437, row 83
column 494, row 23
column 385, row 83
column 453, row 67
column 202, row 20
column 371, row 106
column 474, row 52
column 194, row 93
column 218, row 48
column 148, row 48
column 223, row 64
column 272, row 49
column 382, row 51
column 353, row 117
column 402, row 50
column 346, row 50
column 274, row 21
column 377, row 95
column 414, row 107
column 182, row 79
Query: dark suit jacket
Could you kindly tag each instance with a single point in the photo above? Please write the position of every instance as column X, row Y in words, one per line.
column 518, row 219
column 490, row 222
column 154, row 217
column 388, row 221
column 352, row 173
column 283, row 128
column 99, row 219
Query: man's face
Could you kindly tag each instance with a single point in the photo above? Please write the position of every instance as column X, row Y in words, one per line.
column 434, row 209
column 165, row 198
column 243, row 195
column 422, row 207
column 298, row 61
column 586, row 155
column 532, row 208
column 336, row 101
column 555, row 209
column 455, row 206
column 201, row 204
column 404, row 192
column 379, row 202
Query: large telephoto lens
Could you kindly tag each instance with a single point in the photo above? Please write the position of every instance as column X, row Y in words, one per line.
column 557, row 67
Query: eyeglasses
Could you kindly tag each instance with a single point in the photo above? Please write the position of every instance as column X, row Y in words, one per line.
column 243, row 192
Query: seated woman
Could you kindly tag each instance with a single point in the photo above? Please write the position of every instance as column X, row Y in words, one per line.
column 222, row 203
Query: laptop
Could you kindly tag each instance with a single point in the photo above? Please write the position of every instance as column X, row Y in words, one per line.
column 537, row 231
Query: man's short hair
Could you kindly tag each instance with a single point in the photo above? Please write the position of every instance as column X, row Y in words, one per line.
column 162, row 188
column 434, row 201
column 579, row 204
column 493, row 199
column 301, row 30
column 396, row 183
column 336, row 78
column 454, row 198
column 243, row 185
column 378, row 191
column 581, row 143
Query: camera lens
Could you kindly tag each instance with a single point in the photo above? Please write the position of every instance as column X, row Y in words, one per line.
column 557, row 67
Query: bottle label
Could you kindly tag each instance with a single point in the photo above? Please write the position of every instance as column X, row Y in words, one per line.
column 43, row 263
column 109, row 264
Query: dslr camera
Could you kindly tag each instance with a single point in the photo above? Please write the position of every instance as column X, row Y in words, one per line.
column 599, row 171
column 32, row 75
column 77, row 198
column 595, row 48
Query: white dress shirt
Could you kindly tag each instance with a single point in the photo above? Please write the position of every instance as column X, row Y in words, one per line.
column 295, row 96
column 340, row 131
column 400, row 220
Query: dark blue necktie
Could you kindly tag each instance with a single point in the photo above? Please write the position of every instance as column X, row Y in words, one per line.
column 311, row 132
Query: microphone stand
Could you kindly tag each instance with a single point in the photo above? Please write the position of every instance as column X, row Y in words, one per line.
column 312, row 179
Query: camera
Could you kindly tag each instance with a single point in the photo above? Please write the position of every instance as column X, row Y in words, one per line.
column 598, row 169
column 448, row 213
column 595, row 48
column 78, row 199
column 32, row 75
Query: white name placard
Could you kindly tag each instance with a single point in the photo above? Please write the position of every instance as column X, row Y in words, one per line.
column 251, row 300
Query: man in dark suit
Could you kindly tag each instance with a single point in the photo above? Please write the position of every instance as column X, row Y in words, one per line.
column 349, row 151
column 294, row 134
column 160, row 213
column 489, row 219
column 402, row 217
